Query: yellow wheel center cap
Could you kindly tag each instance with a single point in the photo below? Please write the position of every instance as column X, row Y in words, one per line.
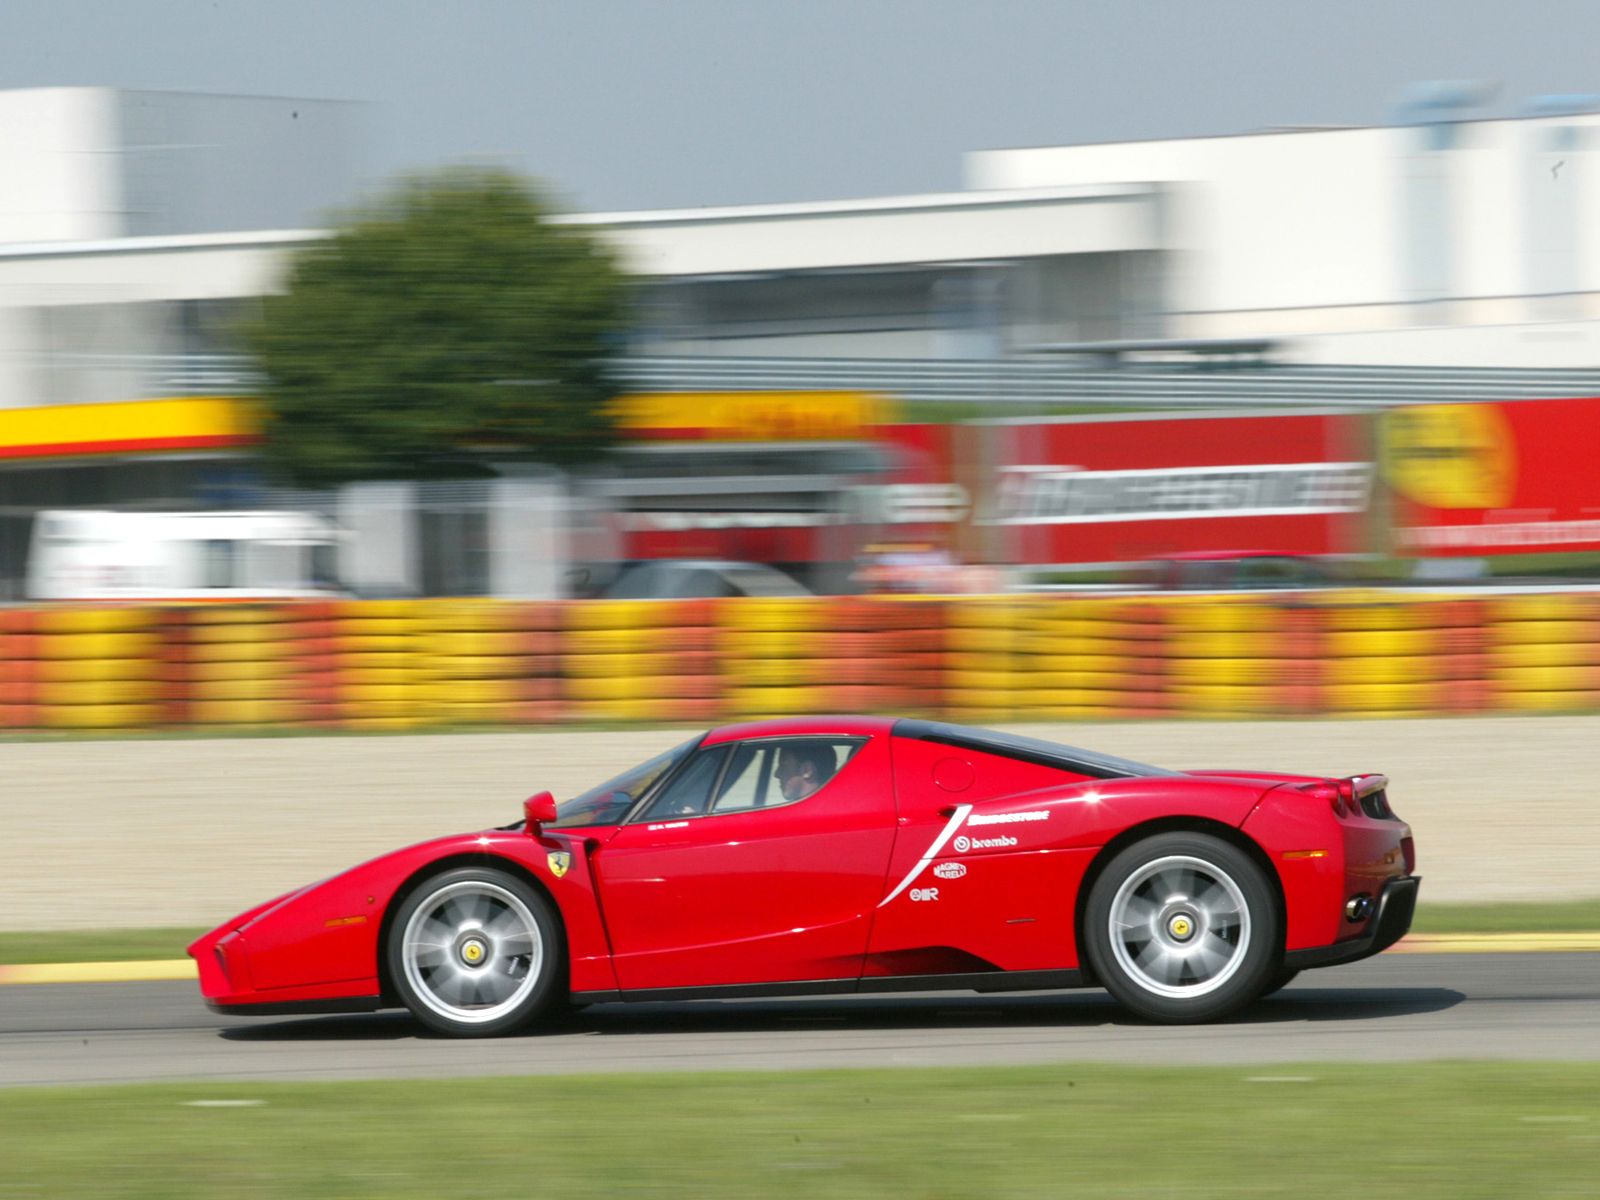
column 473, row 952
column 1181, row 927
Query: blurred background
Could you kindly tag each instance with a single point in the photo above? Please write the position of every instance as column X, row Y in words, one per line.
column 1180, row 411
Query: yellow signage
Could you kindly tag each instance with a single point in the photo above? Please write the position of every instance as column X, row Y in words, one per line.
column 1449, row 455
column 753, row 416
column 128, row 427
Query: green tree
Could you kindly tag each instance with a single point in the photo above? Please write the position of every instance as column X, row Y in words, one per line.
column 448, row 326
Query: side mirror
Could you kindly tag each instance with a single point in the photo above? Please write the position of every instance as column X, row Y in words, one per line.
column 539, row 810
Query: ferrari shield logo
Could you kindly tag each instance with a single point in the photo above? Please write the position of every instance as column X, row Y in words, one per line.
column 559, row 861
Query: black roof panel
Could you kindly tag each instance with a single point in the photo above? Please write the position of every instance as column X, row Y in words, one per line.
column 1027, row 749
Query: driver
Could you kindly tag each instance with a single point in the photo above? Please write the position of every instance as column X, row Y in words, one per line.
column 803, row 768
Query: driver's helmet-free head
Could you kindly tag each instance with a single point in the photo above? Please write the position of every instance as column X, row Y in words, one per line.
column 805, row 766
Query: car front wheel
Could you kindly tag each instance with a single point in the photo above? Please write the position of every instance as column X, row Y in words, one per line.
column 474, row 952
column 1182, row 927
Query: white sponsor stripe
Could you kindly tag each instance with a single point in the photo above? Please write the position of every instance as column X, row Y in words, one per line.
column 954, row 823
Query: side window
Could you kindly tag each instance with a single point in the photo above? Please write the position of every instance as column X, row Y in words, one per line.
column 782, row 771
column 689, row 795
column 747, row 781
column 743, row 776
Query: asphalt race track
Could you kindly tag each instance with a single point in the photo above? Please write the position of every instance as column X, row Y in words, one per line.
column 1392, row 1008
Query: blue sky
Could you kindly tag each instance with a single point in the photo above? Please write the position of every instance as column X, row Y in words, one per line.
column 631, row 104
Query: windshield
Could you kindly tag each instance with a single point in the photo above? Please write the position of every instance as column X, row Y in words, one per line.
column 609, row 803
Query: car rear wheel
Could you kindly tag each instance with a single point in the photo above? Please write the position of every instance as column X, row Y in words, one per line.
column 1278, row 980
column 474, row 952
column 1182, row 927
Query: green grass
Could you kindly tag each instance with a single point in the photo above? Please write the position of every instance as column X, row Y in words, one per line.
column 126, row 945
column 96, row 945
column 1556, row 916
column 1448, row 1130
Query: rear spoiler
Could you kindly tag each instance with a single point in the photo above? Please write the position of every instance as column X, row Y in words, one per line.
column 1354, row 794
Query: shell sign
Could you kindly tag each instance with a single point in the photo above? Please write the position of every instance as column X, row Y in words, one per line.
column 1449, row 455
column 1507, row 477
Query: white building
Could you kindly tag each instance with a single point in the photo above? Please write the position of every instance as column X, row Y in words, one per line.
column 136, row 228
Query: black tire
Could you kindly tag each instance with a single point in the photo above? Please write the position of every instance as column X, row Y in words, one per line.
column 1182, row 928
column 1280, row 979
column 475, row 952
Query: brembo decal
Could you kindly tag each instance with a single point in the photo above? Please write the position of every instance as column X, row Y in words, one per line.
column 951, row 826
column 964, row 844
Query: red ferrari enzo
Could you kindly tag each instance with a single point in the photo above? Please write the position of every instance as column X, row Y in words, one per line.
column 847, row 854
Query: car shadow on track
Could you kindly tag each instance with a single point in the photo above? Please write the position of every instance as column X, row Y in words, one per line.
column 1086, row 1009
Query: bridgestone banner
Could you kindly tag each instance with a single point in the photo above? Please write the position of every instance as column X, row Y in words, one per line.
column 1090, row 490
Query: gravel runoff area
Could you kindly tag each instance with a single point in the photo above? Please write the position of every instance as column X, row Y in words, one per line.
column 170, row 831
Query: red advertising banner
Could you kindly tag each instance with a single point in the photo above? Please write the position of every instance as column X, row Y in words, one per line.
column 1122, row 489
column 1517, row 477
column 891, row 483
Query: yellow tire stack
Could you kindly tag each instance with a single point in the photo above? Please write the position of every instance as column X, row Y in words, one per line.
column 885, row 655
column 491, row 662
column 767, row 649
column 1544, row 652
column 379, row 648
column 235, row 664
column 1086, row 657
column 639, row 660
column 1401, row 657
column 984, row 658
column 1230, row 656
column 99, row 668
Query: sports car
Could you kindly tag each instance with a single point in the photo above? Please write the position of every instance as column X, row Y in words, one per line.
column 825, row 855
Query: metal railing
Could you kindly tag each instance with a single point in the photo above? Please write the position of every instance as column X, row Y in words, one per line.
column 998, row 383
column 1007, row 382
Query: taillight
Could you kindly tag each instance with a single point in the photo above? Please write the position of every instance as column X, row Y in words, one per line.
column 1332, row 793
column 1409, row 848
column 1347, row 796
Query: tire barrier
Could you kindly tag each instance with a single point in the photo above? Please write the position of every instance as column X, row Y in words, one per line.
column 398, row 664
column 359, row 666
column 640, row 660
column 93, row 668
column 487, row 662
column 1237, row 656
column 238, row 666
column 788, row 656
column 19, row 669
column 1365, row 654
column 1056, row 657
column 1544, row 652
